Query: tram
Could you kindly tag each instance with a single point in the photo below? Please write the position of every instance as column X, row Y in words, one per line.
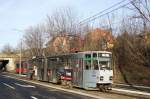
column 21, row 69
column 88, row 69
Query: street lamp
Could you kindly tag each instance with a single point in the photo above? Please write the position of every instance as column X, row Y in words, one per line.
column 20, row 60
column 20, row 57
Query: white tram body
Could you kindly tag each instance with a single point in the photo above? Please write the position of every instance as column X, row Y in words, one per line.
column 90, row 69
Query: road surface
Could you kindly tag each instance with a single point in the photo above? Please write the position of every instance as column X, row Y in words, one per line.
column 14, row 89
column 13, row 86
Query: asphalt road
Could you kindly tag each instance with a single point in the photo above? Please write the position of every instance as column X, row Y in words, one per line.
column 15, row 89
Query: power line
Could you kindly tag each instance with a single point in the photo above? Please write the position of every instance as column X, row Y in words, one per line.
column 105, row 10
column 100, row 15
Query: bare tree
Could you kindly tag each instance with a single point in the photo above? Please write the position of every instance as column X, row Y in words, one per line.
column 63, row 22
column 7, row 49
column 130, row 49
column 34, row 40
column 143, row 9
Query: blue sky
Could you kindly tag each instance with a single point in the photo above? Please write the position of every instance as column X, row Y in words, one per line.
column 17, row 15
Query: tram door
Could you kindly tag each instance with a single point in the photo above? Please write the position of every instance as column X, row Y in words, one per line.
column 52, row 64
column 78, row 72
column 40, row 66
column 90, row 71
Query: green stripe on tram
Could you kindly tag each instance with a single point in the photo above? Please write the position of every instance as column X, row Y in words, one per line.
column 89, row 58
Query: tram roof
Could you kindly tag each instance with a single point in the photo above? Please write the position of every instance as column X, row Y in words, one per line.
column 95, row 52
column 84, row 52
column 69, row 54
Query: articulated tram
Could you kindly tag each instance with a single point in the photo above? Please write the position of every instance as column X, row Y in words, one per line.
column 88, row 69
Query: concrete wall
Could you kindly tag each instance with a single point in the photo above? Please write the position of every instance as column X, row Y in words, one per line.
column 11, row 66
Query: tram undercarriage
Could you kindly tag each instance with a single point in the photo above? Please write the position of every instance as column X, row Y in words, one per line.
column 104, row 87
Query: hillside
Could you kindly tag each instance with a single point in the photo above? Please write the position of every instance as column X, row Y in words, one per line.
column 132, row 58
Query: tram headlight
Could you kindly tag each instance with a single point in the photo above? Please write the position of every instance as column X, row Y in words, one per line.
column 101, row 78
column 111, row 78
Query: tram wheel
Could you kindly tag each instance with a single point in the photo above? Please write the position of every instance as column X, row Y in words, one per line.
column 64, row 83
column 69, row 83
column 103, row 88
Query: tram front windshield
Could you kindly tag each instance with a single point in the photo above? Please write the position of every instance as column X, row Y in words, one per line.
column 105, row 65
column 98, row 62
column 102, row 65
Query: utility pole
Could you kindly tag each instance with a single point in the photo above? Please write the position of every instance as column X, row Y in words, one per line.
column 20, row 57
column 20, row 69
column 45, row 68
column 45, row 65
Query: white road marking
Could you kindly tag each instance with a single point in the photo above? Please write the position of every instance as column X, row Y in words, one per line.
column 24, row 85
column 33, row 97
column 6, row 76
column 9, row 86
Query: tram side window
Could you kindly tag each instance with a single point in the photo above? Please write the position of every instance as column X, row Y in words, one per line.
column 95, row 64
column 24, row 65
column 94, row 55
column 87, row 55
column 17, row 65
column 88, row 64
